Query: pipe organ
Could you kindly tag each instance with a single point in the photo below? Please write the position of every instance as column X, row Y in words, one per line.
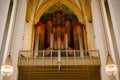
column 58, row 33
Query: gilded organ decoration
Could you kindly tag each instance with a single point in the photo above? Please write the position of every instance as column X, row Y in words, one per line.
column 58, row 33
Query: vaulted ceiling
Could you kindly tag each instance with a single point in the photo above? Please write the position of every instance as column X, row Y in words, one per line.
column 80, row 7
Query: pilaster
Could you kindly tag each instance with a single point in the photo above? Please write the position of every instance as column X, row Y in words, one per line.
column 99, row 35
column 17, row 42
column 4, row 7
column 115, row 16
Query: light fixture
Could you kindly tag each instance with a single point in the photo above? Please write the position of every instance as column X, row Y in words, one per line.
column 7, row 68
column 111, row 68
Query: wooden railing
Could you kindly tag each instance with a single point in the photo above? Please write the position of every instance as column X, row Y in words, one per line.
column 58, row 57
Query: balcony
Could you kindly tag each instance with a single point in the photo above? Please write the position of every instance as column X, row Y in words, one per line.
column 59, row 65
column 58, row 58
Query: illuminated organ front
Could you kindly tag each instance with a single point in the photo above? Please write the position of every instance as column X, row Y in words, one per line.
column 58, row 33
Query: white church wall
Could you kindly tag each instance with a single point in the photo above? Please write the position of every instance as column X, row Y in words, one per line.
column 29, row 32
column 10, row 30
column 90, row 36
column 99, row 36
column 108, row 33
column 4, row 7
column 18, row 36
column 115, row 12
column 107, row 30
column 27, row 36
column 90, row 41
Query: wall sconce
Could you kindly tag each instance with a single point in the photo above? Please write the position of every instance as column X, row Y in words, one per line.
column 111, row 68
column 7, row 68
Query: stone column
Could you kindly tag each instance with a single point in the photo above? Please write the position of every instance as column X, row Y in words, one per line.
column 18, row 36
column 109, row 30
column 1, row 77
column 8, row 29
column 99, row 35
column 4, row 7
column 115, row 16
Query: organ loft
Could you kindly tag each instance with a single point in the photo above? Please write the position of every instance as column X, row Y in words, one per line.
column 58, row 32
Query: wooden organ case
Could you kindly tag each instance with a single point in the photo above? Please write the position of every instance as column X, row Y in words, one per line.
column 58, row 33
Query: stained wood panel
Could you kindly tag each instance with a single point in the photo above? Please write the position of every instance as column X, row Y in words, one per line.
column 65, row 73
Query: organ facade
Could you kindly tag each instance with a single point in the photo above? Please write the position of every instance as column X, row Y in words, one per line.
column 58, row 33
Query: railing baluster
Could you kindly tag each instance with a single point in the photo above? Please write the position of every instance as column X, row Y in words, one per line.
column 59, row 59
column 51, row 57
column 67, row 57
column 19, row 58
column 83, row 58
column 99, row 62
column 75, row 57
column 90, row 57
column 43, row 58
column 59, row 56
column 27, row 60
column 35, row 60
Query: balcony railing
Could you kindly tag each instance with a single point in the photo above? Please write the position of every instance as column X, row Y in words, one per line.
column 58, row 57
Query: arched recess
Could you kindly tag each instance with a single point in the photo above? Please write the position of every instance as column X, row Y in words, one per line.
column 42, row 8
column 68, row 3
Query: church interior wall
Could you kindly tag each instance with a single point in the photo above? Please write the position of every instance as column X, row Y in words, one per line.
column 18, row 36
column 4, row 7
column 9, row 26
column 99, row 36
column 90, row 36
column 110, row 30
column 29, row 31
column 3, row 17
column 107, row 29
column 96, row 32
column 89, row 30
column 114, row 11
column 115, row 18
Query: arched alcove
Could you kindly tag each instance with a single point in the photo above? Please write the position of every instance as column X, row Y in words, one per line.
column 58, row 28
column 51, row 11
column 67, row 3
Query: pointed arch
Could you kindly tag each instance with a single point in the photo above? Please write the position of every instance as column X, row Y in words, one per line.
column 68, row 3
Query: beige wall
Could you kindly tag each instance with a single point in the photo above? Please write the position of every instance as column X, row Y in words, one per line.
column 4, row 7
column 99, row 35
column 18, row 36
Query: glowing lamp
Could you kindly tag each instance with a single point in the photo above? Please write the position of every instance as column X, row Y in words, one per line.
column 7, row 68
column 111, row 68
